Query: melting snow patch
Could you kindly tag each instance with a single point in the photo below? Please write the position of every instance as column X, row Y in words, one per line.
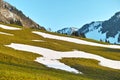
column 8, row 27
column 6, row 34
column 50, row 57
column 53, row 63
column 38, row 40
column 78, row 41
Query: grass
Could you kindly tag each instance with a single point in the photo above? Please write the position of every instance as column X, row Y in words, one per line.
column 91, row 69
column 20, row 65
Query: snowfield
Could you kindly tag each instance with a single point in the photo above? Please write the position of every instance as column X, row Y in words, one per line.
column 51, row 58
column 6, row 34
column 78, row 41
column 53, row 63
column 8, row 27
column 96, row 34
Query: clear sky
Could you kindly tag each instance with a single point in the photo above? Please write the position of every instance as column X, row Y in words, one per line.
column 57, row 14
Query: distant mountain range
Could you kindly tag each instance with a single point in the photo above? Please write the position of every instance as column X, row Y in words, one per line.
column 11, row 15
column 68, row 31
column 106, row 31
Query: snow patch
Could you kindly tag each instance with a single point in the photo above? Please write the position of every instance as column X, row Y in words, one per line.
column 93, row 25
column 53, row 63
column 96, row 34
column 8, row 27
column 67, row 31
column 78, row 41
column 50, row 57
column 6, row 34
column 114, row 39
column 38, row 40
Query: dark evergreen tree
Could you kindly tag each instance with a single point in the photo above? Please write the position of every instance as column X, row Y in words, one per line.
column 82, row 35
column 75, row 33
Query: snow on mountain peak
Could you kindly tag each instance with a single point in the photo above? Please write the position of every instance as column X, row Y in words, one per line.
column 68, row 30
column 90, row 27
column 107, row 31
column 94, row 25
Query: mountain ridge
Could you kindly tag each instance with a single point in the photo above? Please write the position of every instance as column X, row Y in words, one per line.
column 11, row 15
column 67, row 30
column 105, row 31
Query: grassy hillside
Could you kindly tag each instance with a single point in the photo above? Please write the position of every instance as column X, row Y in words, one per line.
column 20, row 65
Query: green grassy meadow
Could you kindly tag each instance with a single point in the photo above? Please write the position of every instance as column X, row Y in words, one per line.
column 20, row 65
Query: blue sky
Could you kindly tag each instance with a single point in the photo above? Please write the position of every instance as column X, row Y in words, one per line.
column 57, row 14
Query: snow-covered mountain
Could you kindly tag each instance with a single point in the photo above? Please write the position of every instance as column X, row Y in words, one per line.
column 107, row 31
column 68, row 31
column 11, row 15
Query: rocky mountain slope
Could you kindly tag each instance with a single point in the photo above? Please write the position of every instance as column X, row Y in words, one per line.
column 11, row 15
column 107, row 31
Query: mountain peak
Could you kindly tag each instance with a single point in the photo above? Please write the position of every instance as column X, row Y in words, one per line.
column 108, row 30
column 117, row 14
column 11, row 15
column 67, row 30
